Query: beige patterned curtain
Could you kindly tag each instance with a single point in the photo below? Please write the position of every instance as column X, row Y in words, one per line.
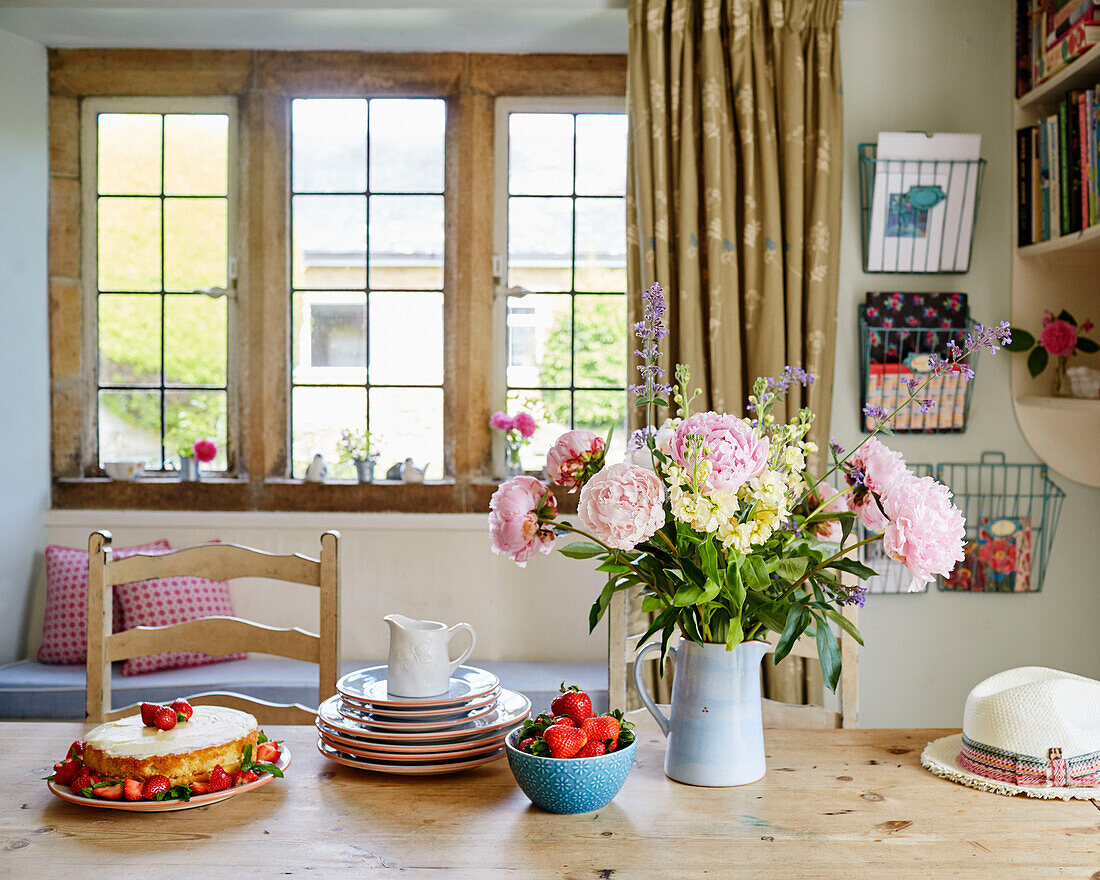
column 733, row 197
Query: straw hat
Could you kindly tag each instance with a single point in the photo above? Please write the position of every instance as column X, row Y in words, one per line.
column 1031, row 730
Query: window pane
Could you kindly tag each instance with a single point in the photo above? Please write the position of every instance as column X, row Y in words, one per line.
column 129, row 153
column 195, row 244
column 601, row 245
column 319, row 415
column 129, row 340
column 597, row 411
column 539, row 329
column 552, row 413
column 329, row 145
column 329, row 337
column 329, row 248
column 406, row 242
column 395, row 320
column 194, row 340
column 406, row 145
column 540, row 243
column 599, row 346
column 196, row 154
column 129, row 244
column 189, row 415
column 129, row 427
column 601, row 154
column 540, row 153
column 409, row 423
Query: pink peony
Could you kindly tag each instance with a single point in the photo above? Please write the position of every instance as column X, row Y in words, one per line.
column 881, row 467
column 205, row 450
column 830, row 529
column 574, row 457
column 1059, row 338
column 622, row 505
column 501, row 421
column 926, row 530
column 737, row 453
column 520, row 512
column 525, row 424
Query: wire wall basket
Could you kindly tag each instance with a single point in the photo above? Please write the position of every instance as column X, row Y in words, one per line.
column 918, row 215
column 1011, row 515
column 893, row 576
column 891, row 355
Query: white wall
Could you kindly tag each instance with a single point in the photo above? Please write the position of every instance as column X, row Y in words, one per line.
column 941, row 65
column 24, row 360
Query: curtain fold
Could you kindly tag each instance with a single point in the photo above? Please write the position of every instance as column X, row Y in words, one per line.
column 733, row 198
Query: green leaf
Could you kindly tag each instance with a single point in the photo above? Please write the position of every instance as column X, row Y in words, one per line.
column 1021, row 340
column 665, row 618
column 708, row 555
column 581, row 550
column 612, row 567
column 1037, row 360
column 246, row 755
column 261, row 738
column 268, row 768
column 598, row 608
column 653, row 603
column 1066, row 316
column 845, row 624
column 1087, row 345
column 691, row 626
column 798, row 618
column 853, row 566
column 736, row 634
column 756, row 573
column 828, row 655
column 736, row 587
column 692, row 594
column 790, row 568
column 847, row 523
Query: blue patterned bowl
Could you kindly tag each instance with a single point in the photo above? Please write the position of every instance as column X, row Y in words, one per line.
column 572, row 785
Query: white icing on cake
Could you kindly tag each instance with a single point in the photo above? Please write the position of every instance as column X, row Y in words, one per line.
column 209, row 726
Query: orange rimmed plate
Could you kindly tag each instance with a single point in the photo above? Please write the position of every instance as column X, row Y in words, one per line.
column 455, row 766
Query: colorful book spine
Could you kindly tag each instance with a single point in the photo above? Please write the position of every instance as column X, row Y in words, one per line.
column 1054, row 200
column 1083, row 157
column 1036, row 184
column 1023, row 183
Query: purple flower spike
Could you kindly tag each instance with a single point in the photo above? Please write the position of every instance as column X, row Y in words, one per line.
column 876, row 412
column 650, row 330
column 926, row 405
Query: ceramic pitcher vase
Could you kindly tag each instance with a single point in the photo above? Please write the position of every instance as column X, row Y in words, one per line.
column 420, row 663
column 715, row 727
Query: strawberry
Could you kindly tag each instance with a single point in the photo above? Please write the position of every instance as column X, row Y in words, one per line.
column 181, row 707
column 564, row 742
column 219, row 779
column 566, row 720
column 603, row 728
column 199, row 788
column 243, row 777
column 76, row 750
column 81, row 781
column 267, row 753
column 148, row 710
column 592, row 749
column 131, row 789
column 154, row 785
column 573, row 702
column 530, row 741
column 65, row 772
column 109, row 792
column 164, row 718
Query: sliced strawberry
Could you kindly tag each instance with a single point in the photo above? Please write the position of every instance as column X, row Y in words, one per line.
column 564, row 742
column 164, row 718
column 131, row 790
column 199, row 788
column 219, row 779
column 243, row 777
column 573, row 702
column 592, row 749
column 148, row 710
column 65, row 772
column 267, row 753
column 154, row 785
column 181, row 707
column 109, row 792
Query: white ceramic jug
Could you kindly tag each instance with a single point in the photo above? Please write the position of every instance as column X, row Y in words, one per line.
column 420, row 663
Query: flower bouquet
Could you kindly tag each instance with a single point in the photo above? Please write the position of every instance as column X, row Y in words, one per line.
column 359, row 448
column 1060, row 338
column 193, row 453
column 518, row 431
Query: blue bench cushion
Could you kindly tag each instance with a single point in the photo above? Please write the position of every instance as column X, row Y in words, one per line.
column 29, row 689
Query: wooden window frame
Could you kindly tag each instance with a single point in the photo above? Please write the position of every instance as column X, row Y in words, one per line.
column 263, row 84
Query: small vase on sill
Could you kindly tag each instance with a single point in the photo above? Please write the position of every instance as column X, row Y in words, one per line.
column 364, row 469
column 513, row 467
column 189, row 469
column 1062, row 386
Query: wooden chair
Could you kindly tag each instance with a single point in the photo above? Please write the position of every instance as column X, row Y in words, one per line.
column 213, row 635
column 620, row 657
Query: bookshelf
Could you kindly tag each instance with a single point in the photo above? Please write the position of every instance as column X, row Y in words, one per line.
column 1062, row 273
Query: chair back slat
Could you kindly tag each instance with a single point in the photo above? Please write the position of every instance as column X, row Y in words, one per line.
column 265, row 711
column 216, row 636
column 216, row 562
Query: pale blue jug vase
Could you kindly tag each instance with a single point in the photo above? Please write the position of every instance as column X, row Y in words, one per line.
column 715, row 727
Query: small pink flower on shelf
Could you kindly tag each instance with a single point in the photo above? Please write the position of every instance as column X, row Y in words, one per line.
column 574, row 457
column 501, row 421
column 925, row 530
column 881, row 468
column 525, row 424
column 622, row 505
column 205, row 450
column 1059, row 338
column 519, row 517
column 736, row 452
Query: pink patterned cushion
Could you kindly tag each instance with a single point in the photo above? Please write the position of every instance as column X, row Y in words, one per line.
column 65, row 627
column 169, row 601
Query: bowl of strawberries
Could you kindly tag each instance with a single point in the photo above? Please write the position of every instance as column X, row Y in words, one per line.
column 571, row 760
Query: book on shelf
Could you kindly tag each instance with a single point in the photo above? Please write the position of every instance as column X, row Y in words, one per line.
column 1051, row 34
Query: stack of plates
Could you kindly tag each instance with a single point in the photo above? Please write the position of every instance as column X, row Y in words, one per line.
column 365, row 726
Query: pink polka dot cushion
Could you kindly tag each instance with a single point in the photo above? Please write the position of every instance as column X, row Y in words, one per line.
column 65, row 627
column 169, row 601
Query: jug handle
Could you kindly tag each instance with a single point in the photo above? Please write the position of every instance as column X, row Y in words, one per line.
column 647, row 700
column 473, row 641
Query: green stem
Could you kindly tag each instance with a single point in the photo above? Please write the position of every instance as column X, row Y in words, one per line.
column 610, row 550
column 824, row 564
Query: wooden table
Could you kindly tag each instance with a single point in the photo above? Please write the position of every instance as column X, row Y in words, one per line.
column 844, row 803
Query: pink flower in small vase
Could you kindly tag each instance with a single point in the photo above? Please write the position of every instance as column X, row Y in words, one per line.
column 881, row 467
column 520, row 513
column 574, row 457
column 925, row 530
column 525, row 424
column 205, row 450
column 1059, row 338
column 737, row 452
column 622, row 505
column 501, row 421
